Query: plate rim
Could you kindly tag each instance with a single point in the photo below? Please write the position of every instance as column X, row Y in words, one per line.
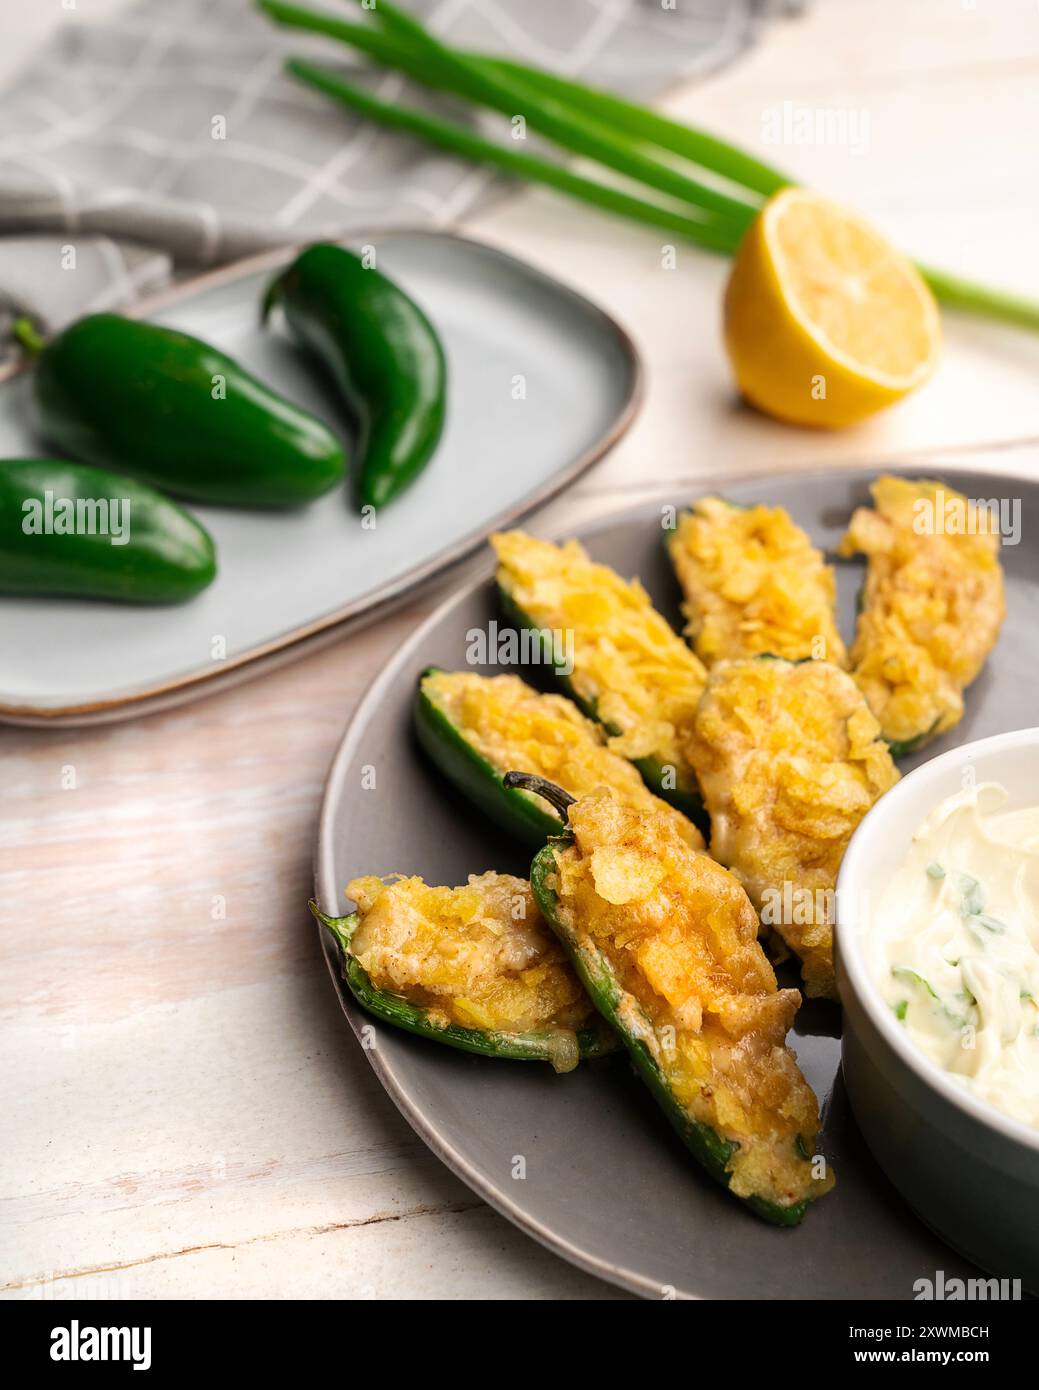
column 200, row 682
column 326, row 893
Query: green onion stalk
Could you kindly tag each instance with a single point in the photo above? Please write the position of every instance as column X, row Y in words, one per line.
column 711, row 204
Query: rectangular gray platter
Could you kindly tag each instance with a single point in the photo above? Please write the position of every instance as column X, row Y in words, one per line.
column 288, row 579
column 607, row 1183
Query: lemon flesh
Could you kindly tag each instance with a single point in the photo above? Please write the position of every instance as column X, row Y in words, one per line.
column 825, row 322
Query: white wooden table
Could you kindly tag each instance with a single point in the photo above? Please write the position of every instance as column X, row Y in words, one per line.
column 184, row 1111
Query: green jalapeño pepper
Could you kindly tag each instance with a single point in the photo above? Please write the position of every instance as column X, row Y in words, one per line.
column 151, row 401
column 474, row 728
column 69, row 529
column 452, row 750
column 383, row 354
column 901, row 748
column 684, row 798
column 898, row 748
column 435, row 1014
column 664, row 941
column 613, row 653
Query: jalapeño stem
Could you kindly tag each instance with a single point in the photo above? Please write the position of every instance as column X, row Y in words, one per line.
column 540, row 786
column 25, row 332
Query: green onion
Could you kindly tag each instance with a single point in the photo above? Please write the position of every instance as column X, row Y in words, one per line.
column 971, row 898
column 459, row 140
column 621, row 120
column 911, row 977
column 992, row 924
column 589, row 122
column 619, row 117
column 971, row 924
column 976, row 299
column 903, row 972
column 718, row 156
column 568, row 128
column 901, row 1008
column 420, row 55
column 935, row 870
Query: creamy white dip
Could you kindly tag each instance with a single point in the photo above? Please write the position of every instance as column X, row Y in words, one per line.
column 954, row 946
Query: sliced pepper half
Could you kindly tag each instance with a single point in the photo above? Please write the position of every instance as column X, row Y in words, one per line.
column 473, row 967
column 474, row 728
column 618, row 658
column 753, row 582
column 664, row 940
column 932, row 605
column 790, row 759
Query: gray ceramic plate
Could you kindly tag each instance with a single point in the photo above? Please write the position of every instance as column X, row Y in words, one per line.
column 607, row 1184
column 290, row 579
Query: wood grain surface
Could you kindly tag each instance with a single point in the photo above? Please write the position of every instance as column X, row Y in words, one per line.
column 184, row 1111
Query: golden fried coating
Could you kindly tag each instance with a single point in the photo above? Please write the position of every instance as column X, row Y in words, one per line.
column 479, row 956
column 753, row 582
column 932, row 607
column 628, row 661
column 789, row 759
column 681, row 937
column 512, row 725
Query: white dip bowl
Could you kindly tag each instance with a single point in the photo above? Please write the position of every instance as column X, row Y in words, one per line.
column 968, row 1170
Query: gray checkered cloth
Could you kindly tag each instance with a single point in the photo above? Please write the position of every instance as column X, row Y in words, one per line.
column 169, row 138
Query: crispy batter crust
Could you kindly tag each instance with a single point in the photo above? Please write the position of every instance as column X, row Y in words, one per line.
column 753, row 582
column 933, row 603
column 514, row 726
column 790, row 759
column 680, row 933
column 628, row 660
column 479, row 956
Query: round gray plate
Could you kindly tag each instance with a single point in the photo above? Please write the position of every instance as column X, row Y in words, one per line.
column 607, row 1184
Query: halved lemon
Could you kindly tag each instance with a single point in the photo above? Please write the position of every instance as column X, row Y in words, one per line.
column 825, row 322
